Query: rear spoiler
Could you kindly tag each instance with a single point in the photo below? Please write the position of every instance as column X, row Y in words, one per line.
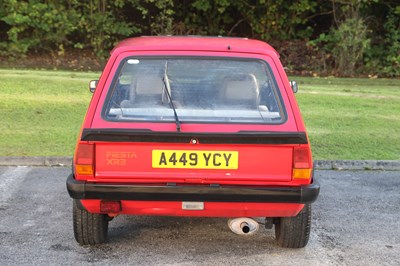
column 145, row 135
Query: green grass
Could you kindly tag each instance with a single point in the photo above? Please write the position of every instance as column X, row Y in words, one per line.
column 351, row 118
column 41, row 113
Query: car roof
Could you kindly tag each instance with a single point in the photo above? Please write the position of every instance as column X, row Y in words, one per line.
column 194, row 43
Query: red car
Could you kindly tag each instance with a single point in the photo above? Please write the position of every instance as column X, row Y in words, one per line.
column 194, row 126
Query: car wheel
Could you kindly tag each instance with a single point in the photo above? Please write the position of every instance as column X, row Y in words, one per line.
column 294, row 232
column 89, row 228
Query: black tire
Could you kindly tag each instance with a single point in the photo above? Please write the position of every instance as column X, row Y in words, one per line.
column 89, row 228
column 294, row 232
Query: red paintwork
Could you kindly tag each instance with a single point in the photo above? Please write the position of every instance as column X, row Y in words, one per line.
column 259, row 164
column 212, row 209
column 175, row 43
column 139, row 169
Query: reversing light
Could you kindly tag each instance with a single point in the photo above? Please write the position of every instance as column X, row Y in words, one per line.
column 302, row 166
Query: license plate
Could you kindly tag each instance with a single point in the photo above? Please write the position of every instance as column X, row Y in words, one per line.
column 192, row 159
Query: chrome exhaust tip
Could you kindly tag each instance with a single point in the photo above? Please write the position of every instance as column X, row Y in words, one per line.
column 243, row 226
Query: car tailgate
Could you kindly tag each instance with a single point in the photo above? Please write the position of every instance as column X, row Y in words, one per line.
column 188, row 163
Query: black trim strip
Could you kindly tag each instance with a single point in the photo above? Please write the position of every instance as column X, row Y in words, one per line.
column 301, row 194
column 242, row 137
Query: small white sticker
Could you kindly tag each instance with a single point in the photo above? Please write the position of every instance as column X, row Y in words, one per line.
column 194, row 206
column 133, row 61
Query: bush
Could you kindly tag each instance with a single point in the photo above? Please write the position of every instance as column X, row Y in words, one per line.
column 34, row 25
column 383, row 57
column 348, row 36
column 350, row 42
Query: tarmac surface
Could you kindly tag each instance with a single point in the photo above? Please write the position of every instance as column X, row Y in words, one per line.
column 355, row 222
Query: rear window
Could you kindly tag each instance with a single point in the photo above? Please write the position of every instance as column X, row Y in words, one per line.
column 201, row 90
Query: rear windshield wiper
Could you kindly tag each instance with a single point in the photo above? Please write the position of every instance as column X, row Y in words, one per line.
column 167, row 91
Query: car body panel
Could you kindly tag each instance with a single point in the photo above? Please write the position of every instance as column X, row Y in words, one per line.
column 131, row 152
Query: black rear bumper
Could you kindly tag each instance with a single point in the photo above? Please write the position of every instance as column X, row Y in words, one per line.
column 214, row 193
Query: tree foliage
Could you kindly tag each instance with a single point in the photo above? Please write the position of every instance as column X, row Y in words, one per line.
column 349, row 36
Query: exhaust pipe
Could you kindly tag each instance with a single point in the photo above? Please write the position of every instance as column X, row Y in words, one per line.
column 243, row 226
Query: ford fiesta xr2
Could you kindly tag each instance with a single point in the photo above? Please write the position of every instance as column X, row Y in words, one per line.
column 194, row 126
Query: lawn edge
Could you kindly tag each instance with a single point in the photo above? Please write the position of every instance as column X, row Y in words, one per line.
column 391, row 165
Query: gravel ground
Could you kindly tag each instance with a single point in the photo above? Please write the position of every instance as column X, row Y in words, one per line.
column 355, row 222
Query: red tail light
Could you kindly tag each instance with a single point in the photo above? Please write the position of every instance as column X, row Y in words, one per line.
column 84, row 159
column 302, row 163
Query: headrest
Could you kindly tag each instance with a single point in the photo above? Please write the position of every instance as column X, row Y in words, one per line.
column 148, row 85
column 241, row 87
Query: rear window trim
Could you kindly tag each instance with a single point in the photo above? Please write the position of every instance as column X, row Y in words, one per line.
column 122, row 62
